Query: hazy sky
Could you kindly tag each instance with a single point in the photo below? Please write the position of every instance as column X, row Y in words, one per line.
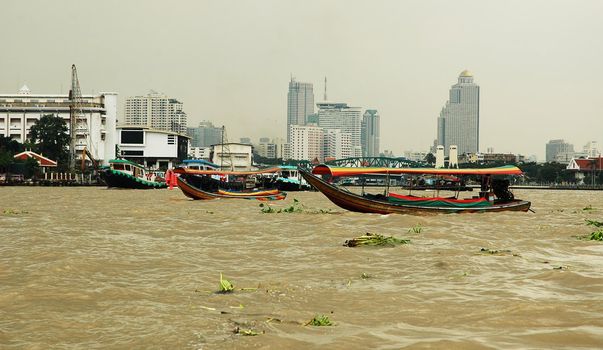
column 539, row 63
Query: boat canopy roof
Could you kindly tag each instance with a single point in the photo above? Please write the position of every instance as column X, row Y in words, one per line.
column 339, row 171
column 200, row 161
column 222, row 172
column 124, row 161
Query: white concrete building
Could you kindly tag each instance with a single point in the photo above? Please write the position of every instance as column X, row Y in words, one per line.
column 199, row 152
column 18, row 112
column 333, row 115
column 155, row 149
column 306, row 142
column 458, row 123
column 337, row 144
column 156, row 111
column 232, row 156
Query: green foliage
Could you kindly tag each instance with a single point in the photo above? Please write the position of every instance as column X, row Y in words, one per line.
column 594, row 223
column 589, row 207
column 596, row 235
column 296, row 207
column 51, row 138
column 14, row 212
column 320, row 321
column 370, row 239
column 430, row 158
column 225, row 285
column 416, row 229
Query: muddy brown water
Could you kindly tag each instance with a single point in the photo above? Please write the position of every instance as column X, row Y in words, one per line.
column 90, row 268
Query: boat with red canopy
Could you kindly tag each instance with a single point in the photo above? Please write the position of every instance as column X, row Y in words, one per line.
column 494, row 194
column 214, row 184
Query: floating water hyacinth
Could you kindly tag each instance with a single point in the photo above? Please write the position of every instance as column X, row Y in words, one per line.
column 320, row 321
column 370, row 239
column 225, row 285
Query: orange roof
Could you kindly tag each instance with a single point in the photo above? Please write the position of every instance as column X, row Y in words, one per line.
column 42, row 161
column 590, row 163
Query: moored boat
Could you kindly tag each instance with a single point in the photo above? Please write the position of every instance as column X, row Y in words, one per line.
column 214, row 184
column 126, row 174
column 289, row 179
column 495, row 196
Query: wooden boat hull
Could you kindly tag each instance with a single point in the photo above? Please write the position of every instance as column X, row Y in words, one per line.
column 354, row 202
column 119, row 179
column 198, row 194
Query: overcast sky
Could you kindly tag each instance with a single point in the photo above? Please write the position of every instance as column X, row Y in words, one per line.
column 539, row 63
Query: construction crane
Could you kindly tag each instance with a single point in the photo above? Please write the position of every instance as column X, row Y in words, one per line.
column 78, row 123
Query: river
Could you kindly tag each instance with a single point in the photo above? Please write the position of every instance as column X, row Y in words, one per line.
column 92, row 268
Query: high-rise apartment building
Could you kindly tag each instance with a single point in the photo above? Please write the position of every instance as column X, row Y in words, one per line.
column 337, row 144
column 306, row 142
column 156, row 111
column 334, row 115
column 205, row 135
column 370, row 133
column 559, row 151
column 300, row 104
column 458, row 123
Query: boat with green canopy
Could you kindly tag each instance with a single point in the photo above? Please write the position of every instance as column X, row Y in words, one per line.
column 494, row 195
column 123, row 173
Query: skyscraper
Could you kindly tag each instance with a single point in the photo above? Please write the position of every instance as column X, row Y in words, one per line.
column 370, row 133
column 334, row 115
column 156, row 111
column 205, row 135
column 300, row 103
column 458, row 123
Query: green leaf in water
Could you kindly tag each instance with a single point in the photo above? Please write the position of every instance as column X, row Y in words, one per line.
column 225, row 285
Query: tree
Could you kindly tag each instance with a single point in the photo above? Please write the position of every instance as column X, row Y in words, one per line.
column 430, row 158
column 49, row 134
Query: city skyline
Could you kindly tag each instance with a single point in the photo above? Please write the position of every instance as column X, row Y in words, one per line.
column 539, row 76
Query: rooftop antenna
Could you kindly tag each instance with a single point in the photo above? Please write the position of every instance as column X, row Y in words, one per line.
column 325, row 96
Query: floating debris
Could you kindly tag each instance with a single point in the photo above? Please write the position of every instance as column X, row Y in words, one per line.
column 589, row 207
column 596, row 235
column 14, row 212
column 365, row 276
column 370, row 239
column 246, row 332
column 225, row 285
column 485, row 251
column 296, row 207
column 320, row 321
column 416, row 229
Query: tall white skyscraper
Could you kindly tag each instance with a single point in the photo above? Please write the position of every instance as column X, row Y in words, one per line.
column 334, row 115
column 300, row 104
column 156, row 111
column 370, row 133
column 458, row 123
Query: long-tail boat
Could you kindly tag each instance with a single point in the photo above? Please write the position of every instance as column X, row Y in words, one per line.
column 213, row 184
column 494, row 195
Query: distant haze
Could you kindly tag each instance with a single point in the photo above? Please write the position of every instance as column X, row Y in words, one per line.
column 539, row 63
